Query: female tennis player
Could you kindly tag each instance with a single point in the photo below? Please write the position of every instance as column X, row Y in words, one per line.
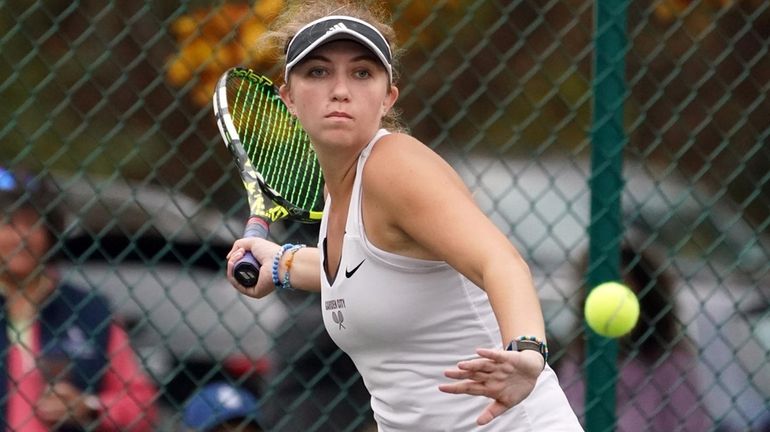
column 430, row 300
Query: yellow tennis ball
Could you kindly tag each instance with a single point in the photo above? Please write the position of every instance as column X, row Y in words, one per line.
column 611, row 309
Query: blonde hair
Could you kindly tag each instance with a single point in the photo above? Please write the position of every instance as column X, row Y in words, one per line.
column 298, row 13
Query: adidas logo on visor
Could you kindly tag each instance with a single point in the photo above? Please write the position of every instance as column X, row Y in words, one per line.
column 339, row 26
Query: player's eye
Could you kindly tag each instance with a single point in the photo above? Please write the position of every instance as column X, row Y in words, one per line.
column 362, row 74
column 317, row 72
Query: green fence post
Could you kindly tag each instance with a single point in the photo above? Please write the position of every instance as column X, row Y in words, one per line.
column 606, row 182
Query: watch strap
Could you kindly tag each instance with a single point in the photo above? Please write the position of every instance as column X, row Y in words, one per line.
column 529, row 343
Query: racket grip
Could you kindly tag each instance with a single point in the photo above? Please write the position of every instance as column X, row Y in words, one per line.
column 246, row 270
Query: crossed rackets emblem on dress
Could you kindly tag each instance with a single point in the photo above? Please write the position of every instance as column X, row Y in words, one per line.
column 338, row 318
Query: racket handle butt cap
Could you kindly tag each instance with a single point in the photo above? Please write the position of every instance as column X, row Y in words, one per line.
column 246, row 270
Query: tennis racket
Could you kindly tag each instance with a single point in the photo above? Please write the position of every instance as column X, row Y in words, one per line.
column 273, row 156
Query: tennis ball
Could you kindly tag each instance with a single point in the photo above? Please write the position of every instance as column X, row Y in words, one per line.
column 611, row 309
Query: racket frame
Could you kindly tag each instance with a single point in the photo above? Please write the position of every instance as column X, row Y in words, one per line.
column 246, row 270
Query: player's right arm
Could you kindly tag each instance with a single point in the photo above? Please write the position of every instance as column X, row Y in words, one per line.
column 305, row 273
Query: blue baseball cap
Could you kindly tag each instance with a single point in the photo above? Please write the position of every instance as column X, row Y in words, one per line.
column 24, row 189
column 217, row 403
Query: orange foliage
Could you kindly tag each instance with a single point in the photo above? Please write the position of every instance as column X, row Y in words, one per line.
column 667, row 10
column 211, row 40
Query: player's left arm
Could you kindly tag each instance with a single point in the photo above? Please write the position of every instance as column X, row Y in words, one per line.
column 427, row 212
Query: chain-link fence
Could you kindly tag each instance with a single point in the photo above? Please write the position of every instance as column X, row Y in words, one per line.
column 112, row 99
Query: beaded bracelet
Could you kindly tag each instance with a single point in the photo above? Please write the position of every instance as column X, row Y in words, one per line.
column 277, row 262
column 289, row 261
column 529, row 343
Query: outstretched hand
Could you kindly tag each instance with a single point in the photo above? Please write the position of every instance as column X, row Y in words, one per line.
column 506, row 377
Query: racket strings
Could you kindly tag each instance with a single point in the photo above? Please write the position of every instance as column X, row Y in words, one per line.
column 275, row 143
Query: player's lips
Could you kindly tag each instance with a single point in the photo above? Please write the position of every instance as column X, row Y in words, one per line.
column 339, row 114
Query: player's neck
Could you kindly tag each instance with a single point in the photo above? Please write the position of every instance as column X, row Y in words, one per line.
column 339, row 175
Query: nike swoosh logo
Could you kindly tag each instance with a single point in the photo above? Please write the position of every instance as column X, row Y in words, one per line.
column 349, row 273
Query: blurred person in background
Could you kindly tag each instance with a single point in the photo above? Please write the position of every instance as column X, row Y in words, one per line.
column 221, row 407
column 657, row 387
column 68, row 365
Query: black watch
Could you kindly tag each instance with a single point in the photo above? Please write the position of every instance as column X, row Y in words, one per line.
column 532, row 344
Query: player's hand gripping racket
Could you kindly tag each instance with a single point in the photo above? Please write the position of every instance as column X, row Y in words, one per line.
column 273, row 155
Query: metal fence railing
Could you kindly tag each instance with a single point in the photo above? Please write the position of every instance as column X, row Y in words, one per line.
column 112, row 100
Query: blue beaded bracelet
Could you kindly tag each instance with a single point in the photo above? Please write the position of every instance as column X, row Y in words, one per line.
column 277, row 262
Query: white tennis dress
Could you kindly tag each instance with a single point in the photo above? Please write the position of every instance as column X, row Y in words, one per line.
column 404, row 321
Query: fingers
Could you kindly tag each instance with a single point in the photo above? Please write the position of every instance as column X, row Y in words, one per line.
column 478, row 365
column 505, row 377
column 491, row 412
column 240, row 247
column 234, row 251
column 526, row 362
column 488, row 362
column 496, row 355
column 468, row 375
column 475, row 374
column 476, row 370
column 470, row 387
column 234, row 255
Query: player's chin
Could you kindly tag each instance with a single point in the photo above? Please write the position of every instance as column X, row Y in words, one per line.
column 336, row 130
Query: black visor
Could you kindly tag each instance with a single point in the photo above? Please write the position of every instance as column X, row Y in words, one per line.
column 337, row 27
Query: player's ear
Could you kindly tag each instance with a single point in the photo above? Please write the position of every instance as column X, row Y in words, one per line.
column 285, row 94
column 390, row 99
